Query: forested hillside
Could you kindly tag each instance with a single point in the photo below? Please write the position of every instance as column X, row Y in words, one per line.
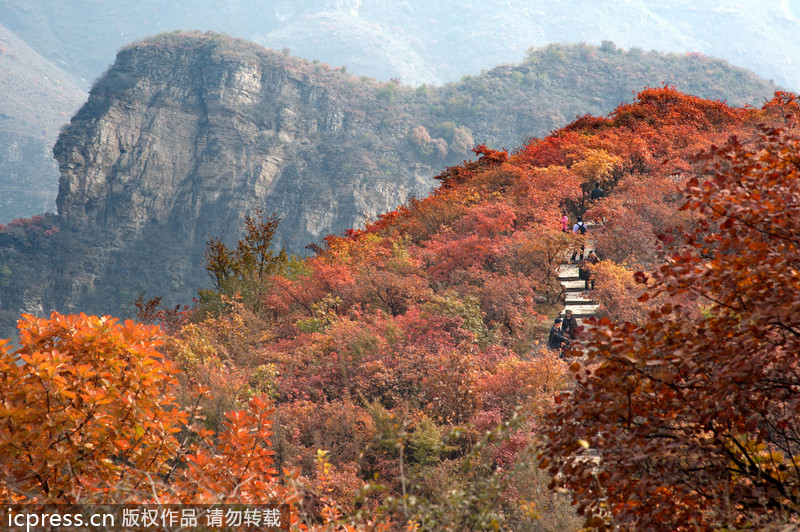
column 188, row 133
column 398, row 378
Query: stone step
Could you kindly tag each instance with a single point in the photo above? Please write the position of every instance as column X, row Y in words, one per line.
column 568, row 272
column 579, row 298
column 574, row 286
column 576, row 298
column 582, row 311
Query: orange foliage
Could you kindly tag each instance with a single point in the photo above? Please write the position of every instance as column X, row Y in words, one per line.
column 429, row 320
column 89, row 415
column 693, row 413
column 86, row 403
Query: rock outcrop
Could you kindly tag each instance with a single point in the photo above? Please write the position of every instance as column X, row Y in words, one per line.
column 193, row 136
column 186, row 134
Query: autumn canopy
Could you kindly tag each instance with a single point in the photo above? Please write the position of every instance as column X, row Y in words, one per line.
column 399, row 377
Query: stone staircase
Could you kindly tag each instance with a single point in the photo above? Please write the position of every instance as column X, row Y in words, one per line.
column 577, row 299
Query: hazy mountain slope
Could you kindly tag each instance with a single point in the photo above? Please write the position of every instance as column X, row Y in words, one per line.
column 412, row 41
column 36, row 99
column 82, row 36
column 416, row 40
column 188, row 133
column 455, row 38
column 360, row 45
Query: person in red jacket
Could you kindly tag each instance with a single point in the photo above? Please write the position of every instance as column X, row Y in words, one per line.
column 564, row 224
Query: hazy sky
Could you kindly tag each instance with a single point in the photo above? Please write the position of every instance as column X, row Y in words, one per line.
column 418, row 40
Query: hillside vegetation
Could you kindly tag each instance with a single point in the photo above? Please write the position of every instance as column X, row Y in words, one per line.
column 398, row 377
column 189, row 133
column 501, row 107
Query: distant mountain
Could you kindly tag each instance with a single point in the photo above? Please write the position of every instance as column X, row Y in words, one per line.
column 36, row 99
column 412, row 41
column 188, row 133
column 419, row 41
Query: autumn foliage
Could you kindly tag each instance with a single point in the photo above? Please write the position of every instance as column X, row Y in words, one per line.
column 90, row 415
column 398, row 377
column 693, row 414
column 79, row 391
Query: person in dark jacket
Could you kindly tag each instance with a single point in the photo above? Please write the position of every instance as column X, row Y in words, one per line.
column 556, row 340
column 569, row 325
column 597, row 192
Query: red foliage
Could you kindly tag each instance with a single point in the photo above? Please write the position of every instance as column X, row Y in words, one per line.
column 456, row 175
column 550, row 151
column 432, row 318
column 693, row 413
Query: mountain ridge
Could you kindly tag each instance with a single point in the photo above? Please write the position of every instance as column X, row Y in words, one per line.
column 188, row 133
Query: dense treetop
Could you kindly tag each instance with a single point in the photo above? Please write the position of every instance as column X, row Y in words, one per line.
column 402, row 368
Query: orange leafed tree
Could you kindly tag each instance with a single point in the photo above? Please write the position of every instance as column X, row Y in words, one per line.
column 88, row 413
column 695, row 414
column 85, row 401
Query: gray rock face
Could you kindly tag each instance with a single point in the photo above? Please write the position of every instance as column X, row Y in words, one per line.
column 204, row 138
column 177, row 144
column 186, row 134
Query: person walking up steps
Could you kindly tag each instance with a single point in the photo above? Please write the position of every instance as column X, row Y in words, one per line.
column 556, row 340
column 597, row 192
column 576, row 257
column 589, row 278
column 569, row 325
column 579, row 226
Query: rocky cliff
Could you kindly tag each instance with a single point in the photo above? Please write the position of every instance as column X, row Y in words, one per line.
column 194, row 136
column 188, row 133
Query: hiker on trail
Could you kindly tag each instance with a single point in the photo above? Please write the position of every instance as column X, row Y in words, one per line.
column 577, row 257
column 569, row 325
column 556, row 340
column 564, row 224
column 597, row 192
column 589, row 278
column 583, row 272
column 579, row 226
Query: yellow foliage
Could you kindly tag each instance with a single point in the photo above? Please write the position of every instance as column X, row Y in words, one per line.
column 192, row 348
column 596, row 165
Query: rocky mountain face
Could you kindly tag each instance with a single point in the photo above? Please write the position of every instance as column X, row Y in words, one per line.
column 52, row 50
column 180, row 140
column 188, row 133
